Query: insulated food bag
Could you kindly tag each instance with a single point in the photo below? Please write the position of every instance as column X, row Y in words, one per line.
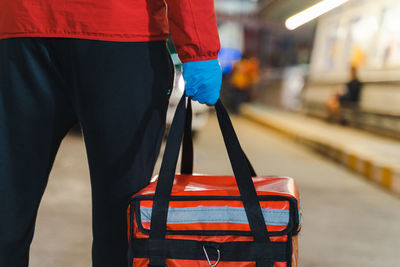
column 187, row 220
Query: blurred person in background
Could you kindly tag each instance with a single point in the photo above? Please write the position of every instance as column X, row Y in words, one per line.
column 245, row 75
column 105, row 65
column 349, row 99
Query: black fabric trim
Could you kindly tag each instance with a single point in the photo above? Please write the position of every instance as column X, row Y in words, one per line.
column 230, row 251
column 291, row 227
column 289, row 250
column 264, row 264
column 130, row 243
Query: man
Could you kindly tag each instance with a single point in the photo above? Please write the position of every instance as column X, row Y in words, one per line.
column 244, row 76
column 349, row 99
column 353, row 92
column 105, row 65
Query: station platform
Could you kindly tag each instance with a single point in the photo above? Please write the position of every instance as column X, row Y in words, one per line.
column 376, row 158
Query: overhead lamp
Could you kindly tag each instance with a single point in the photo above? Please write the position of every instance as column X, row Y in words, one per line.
column 312, row 12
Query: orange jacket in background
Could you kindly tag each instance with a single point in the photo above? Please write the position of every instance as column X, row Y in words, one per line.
column 192, row 23
column 245, row 73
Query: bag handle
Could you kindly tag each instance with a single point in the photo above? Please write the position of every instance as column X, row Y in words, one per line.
column 187, row 145
column 158, row 226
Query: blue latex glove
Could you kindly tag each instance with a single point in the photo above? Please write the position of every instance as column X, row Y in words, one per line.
column 203, row 80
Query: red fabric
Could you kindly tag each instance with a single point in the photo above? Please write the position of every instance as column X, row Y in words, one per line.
column 206, row 185
column 192, row 22
column 189, row 185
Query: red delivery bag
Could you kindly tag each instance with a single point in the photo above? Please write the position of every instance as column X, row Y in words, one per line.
column 186, row 220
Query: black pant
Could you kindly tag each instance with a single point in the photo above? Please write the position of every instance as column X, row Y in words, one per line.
column 119, row 93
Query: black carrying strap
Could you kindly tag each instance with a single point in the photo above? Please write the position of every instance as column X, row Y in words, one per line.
column 165, row 181
column 231, row 251
column 240, row 168
column 187, row 145
column 243, row 176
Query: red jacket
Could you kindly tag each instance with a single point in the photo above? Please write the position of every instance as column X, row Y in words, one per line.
column 192, row 23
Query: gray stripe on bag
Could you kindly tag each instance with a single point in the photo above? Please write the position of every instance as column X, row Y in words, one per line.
column 217, row 215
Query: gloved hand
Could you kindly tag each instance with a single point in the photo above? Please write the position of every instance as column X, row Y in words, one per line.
column 203, row 80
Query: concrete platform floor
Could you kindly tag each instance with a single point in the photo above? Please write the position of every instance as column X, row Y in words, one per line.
column 347, row 221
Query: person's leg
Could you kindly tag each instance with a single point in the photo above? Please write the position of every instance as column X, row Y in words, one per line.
column 34, row 117
column 236, row 100
column 121, row 92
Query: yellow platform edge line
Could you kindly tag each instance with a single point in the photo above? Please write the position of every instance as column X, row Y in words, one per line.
column 350, row 160
column 387, row 177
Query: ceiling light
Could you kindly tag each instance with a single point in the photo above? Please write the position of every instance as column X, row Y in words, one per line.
column 312, row 12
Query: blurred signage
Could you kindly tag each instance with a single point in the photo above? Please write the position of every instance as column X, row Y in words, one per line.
column 228, row 56
column 231, row 36
column 363, row 33
column 292, row 85
column 236, row 7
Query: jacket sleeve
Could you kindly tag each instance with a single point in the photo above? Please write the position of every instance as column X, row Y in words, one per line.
column 194, row 29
